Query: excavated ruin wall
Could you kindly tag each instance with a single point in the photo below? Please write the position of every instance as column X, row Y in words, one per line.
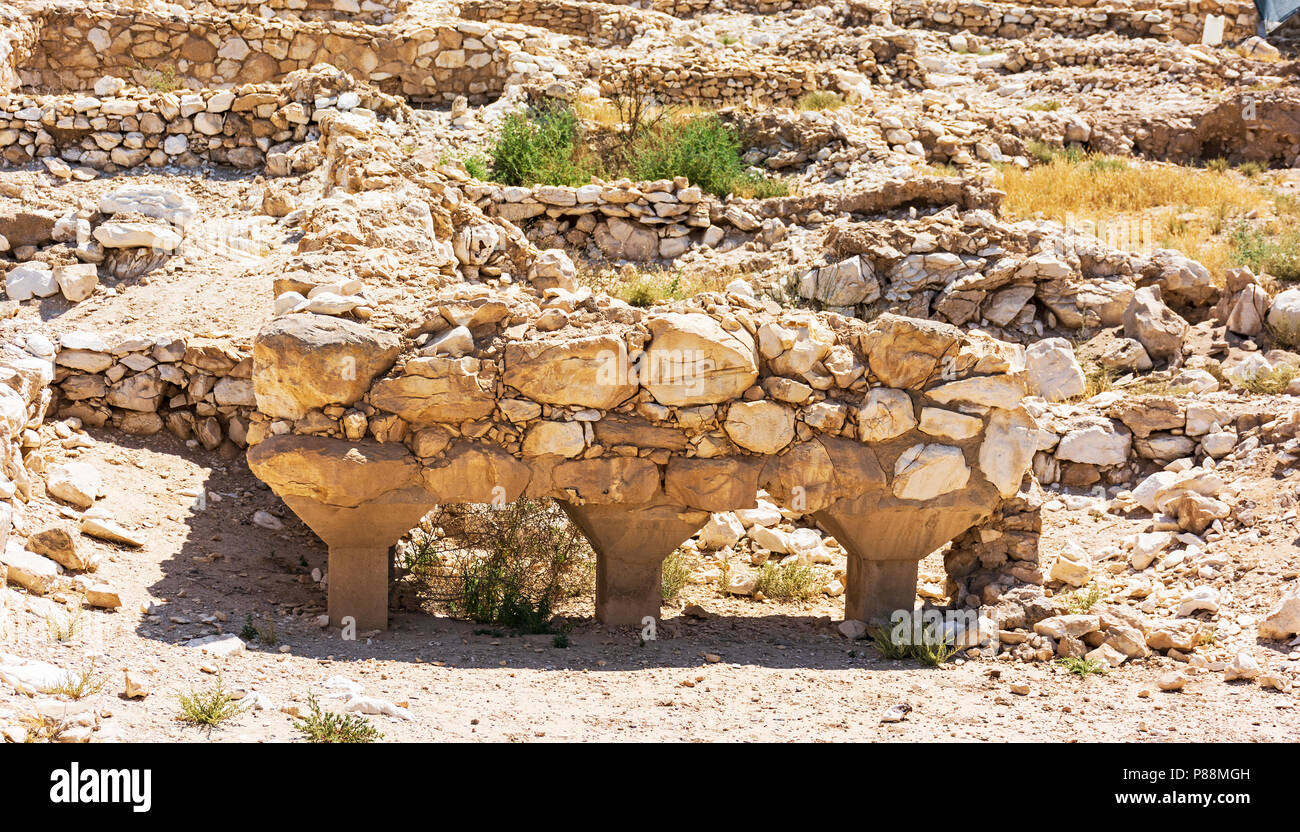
column 598, row 23
column 1183, row 21
column 361, row 11
column 643, row 221
column 237, row 128
column 437, row 61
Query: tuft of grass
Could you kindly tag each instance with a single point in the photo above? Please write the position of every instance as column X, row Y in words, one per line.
column 789, row 582
column 560, row 641
column 675, row 574
column 882, row 638
column 78, row 684
column 1082, row 600
column 821, row 100
column 1251, row 169
column 327, row 726
column 928, row 648
column 1082, row 667
column 1098, row 379
column 208, row 707
column 1270, row 382
column 66, row 628
column 931, row 650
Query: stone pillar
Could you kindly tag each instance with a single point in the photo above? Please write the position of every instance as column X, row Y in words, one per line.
column 885, row 543
column 360, row 541
column 631, row 544
column 875, row 588
column 358, row 585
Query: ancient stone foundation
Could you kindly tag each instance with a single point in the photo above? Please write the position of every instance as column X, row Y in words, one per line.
column 916, row 438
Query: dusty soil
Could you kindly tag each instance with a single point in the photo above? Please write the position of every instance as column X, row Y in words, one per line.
column 782, row 671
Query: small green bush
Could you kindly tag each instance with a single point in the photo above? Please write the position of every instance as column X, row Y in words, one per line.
column 675, row 574
column 537, row 147
column 326, row 726
column 790, row 582
column 1082, row 667
column 208, row 707
column 1276, row 254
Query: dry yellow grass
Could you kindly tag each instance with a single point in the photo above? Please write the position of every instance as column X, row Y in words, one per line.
column 1099, row 188
column 1141, row 206
column 648, row 286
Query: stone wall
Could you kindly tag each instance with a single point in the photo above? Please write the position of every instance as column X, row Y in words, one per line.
column 361, row 11
column 195, row 388
column 437, row 61
column 122, row 128
column 643, row 221
column 1181, row 21
column 601, row 24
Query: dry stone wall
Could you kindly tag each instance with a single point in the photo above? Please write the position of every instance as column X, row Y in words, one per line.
column 115, row 127
column 598, row 23
column 438, row 60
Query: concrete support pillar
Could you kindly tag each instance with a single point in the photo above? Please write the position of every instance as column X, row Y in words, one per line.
column 360, row 540
column 631, row 544
column 875, row 588
column 885, row 544
column 358, row 585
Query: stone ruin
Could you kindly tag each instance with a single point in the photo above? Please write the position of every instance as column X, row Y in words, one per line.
column 912, row 435
column 887, row 417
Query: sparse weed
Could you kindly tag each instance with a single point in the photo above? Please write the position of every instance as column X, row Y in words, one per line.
column 1272, row 381
column 821, row 100
column 929, row 648
column 675, row 574
column 1081, row 601
column 66, row 627
column 78, row 684
column 788, row 582
column 327, row 726
column 208, row 707
column 1082, row 667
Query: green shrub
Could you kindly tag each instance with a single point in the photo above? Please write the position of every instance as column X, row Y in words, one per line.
column 675, row 574
column 1276, row 254
column 706, row 151
column 477, row 167
column 326, row 726
column 510, row 566
column 1081, row 667
column 536, row 147
column 208, row 707
column 790, row 582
